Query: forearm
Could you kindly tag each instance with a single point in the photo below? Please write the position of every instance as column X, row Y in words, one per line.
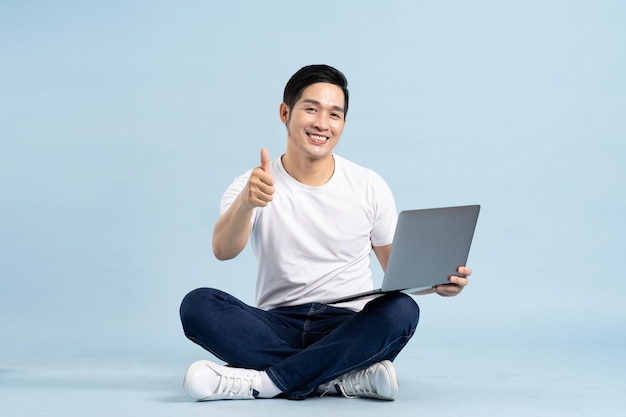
column 232, row 230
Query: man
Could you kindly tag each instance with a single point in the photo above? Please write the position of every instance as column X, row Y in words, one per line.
column 313, row 219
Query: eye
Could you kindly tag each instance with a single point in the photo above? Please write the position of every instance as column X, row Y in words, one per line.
column 335, row 116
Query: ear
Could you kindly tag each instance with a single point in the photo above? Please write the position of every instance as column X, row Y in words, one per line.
column 283, row 111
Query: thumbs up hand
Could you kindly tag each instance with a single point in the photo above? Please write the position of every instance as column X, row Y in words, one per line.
column 259, row 190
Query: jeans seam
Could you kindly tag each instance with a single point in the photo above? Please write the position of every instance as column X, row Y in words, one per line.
column 198, row 342
column 270, row 373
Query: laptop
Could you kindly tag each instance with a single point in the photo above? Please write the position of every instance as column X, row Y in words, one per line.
column 428, row 247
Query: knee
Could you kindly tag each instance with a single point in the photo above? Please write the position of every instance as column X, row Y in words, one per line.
column 195, row 305
column 401, row 309
column 407, row 306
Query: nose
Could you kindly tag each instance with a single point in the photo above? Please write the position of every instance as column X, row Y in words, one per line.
column 322, row 121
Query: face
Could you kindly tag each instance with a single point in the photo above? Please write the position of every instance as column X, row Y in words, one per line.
column 315, row 122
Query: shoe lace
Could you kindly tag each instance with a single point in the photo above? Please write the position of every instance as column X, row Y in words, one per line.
column 324, row 388
column 356, row 383
column 236, row 384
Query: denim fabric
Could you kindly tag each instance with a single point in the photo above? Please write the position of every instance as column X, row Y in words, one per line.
column 303, row 346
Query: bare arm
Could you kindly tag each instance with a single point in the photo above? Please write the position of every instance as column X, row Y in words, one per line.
column 232, row 229
column 382, row 253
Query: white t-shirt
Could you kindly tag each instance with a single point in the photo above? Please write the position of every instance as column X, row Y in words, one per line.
column 313, row 244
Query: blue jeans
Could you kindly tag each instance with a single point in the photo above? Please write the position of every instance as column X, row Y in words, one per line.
column 303, row 346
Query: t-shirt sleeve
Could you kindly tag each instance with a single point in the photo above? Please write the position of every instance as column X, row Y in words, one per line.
column 385, row 214
column 233, row 191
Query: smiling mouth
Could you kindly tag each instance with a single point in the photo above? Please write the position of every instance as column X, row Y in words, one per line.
column 317, row 138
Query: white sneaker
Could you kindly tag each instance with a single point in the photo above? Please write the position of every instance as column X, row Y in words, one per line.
column 378, row 381
column 205, row 381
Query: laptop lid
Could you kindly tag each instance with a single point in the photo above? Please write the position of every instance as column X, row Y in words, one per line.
column 428, row 246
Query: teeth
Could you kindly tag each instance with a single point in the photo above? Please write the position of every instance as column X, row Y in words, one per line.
column 317, row 137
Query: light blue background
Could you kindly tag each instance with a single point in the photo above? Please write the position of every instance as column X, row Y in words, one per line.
column 121, row 123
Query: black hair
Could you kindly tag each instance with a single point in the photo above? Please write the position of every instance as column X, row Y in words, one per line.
column 312, row 74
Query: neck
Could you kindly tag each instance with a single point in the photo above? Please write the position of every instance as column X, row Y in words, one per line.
column 312, row 172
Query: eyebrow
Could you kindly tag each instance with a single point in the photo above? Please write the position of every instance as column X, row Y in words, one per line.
column 317, row 103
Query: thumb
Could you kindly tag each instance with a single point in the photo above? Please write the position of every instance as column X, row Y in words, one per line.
column 265, row 160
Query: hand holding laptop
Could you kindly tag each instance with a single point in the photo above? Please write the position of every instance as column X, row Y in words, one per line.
column 457, row 283
column 428, row 245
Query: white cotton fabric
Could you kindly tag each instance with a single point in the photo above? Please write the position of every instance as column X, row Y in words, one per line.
column 313, row 244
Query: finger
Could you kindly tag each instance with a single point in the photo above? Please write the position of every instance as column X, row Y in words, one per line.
column 265, row 160
column 260, row 198
column 260, row 186
column 448, row 290
column 464, row 271
column 266, row 190
column 461, row 281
